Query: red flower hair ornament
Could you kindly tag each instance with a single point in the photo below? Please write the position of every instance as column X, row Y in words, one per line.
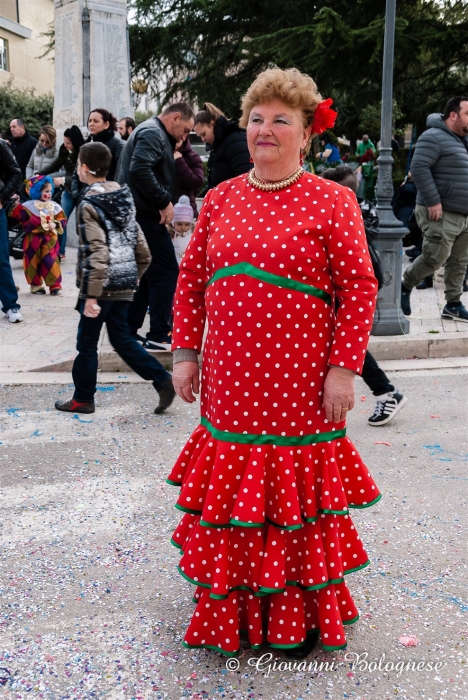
column 324, row 117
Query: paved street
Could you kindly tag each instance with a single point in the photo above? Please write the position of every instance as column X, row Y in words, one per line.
column 92, row 604
column 47, row 337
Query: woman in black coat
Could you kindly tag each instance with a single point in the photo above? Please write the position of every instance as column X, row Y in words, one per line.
column 229, row 154
column 102, row 126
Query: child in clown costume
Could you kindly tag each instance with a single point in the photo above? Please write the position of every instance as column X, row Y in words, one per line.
column 42, row 220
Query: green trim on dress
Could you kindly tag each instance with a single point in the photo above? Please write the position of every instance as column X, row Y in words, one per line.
column 262, row 591
column 210, row 646
column 350, row 622
column 245, row 268
column 252, row 439
column 367, row 505
column 239, row 523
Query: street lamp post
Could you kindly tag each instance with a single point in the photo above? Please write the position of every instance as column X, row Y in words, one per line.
column 389, row 318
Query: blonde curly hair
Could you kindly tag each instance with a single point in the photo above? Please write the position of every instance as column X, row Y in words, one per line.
column 292, row 87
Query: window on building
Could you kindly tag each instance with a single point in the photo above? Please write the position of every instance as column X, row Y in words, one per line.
column 9, row 9
column 3, row 54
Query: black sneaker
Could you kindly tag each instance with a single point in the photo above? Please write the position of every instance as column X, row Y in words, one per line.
column 455, row 312
column 413, row 253
column 427, row 283
column 163, row 343
column 405, row 300
column 387, row 407
column 151, row 345
column 167, row 395
column 73, row 406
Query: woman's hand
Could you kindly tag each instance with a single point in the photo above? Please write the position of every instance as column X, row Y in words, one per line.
column 59, row 181
column 186, row 380
column 338, row 393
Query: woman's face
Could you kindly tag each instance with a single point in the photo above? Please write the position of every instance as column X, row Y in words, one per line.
column 276, row 134
column 68, row 144
column 205, row 132
column 96, row 123
column 44, row 139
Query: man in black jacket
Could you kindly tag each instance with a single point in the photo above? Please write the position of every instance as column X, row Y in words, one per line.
column 147, row 167
column 10, row 181
column 23, row 144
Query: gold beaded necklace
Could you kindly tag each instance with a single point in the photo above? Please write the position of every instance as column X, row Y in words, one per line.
column 274, row 186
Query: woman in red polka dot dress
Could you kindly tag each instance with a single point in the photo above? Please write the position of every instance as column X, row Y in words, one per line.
column 268, row 477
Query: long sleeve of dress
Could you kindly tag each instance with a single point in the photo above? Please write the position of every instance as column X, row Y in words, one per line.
column 189, row 306
column 354, row 282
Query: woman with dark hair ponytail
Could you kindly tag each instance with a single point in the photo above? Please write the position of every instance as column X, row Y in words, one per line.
column 229, row 155
column 102, row 126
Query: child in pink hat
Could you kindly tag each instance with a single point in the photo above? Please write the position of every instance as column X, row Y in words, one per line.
column 182, row 226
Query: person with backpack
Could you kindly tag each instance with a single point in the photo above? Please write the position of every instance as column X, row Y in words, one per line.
column 112, row 257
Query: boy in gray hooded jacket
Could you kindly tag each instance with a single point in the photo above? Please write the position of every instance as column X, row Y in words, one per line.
column 113, row 255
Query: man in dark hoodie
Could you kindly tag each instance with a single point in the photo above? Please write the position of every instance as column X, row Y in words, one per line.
column 440, row 173
column 112, row 257
column 22, row 144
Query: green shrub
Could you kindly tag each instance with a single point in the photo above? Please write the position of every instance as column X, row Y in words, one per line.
column 142, row 116
column 34, row 110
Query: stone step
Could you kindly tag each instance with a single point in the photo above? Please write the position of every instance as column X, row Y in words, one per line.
column 398, row 347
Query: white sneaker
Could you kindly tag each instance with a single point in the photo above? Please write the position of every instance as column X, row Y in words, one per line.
column 14, row 315
column 387, row 407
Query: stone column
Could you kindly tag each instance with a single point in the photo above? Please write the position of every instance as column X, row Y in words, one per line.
column 91, row 60
column 92, row 67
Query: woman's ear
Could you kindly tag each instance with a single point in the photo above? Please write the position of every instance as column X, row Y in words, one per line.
column 306, row 136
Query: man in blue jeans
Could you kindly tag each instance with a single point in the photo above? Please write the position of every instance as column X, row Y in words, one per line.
column 10, row 181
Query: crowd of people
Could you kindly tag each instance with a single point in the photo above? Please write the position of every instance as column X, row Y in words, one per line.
column 284, row 339
column 156, row 161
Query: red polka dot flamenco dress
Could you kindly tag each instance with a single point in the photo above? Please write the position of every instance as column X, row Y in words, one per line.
column 266, row 481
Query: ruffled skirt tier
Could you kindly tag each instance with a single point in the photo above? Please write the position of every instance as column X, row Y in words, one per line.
column 267, row 539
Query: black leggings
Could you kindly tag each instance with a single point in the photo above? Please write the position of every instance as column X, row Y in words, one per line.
column 375, row 378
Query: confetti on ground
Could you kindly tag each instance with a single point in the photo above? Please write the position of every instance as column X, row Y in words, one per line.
column 92, row 604
column 408, row 640
column 382, row 442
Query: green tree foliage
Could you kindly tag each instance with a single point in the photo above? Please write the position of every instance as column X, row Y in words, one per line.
column 212, row 49
column 371, row 115
column 34, row 110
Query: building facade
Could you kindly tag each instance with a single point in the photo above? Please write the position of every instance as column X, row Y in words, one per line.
column 22, row 26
